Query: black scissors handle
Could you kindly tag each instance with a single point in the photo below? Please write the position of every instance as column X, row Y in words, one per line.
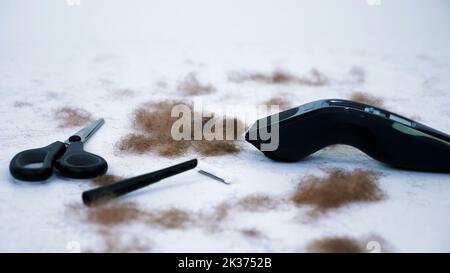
column 71, row 162
column 77, row 163
column 21, row 166
column 68, row 157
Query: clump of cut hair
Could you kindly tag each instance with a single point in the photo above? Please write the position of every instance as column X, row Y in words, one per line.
column 216, row 147
column 112, row 213
column 357, row 74
column 211, row 220
column 107, row 213
column 367, row 99
column 176, row 218
column 108, row 217
column 314, row 78
column 279, row 76
column 172, row 218
column 276, row 77
column 106, row 179
column 20, row 104
column 336, row 245
column 137, row 143
column 221, row 212
column 190, row 85
column 153, row 123
column 251, row 233
column 72, row 117
column 345, row 244
column 257, row 202
column 232, row 128
column 338, row 188
column 281, row 102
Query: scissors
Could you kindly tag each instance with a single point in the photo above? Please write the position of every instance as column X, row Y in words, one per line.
column 68, row 157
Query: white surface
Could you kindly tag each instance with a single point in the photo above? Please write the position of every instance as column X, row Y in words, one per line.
column 53, row 54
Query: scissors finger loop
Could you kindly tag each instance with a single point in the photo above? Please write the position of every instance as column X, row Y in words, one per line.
column 77, row 163
column 36, row 164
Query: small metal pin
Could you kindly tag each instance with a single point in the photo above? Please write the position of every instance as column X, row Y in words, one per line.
column 213, row 173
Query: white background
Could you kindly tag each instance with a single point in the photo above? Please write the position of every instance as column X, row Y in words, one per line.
column 53, row 54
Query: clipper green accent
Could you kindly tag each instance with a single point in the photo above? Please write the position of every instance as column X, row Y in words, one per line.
column 410, row 131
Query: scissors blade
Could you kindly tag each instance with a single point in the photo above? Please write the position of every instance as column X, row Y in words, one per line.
column 87, row 131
